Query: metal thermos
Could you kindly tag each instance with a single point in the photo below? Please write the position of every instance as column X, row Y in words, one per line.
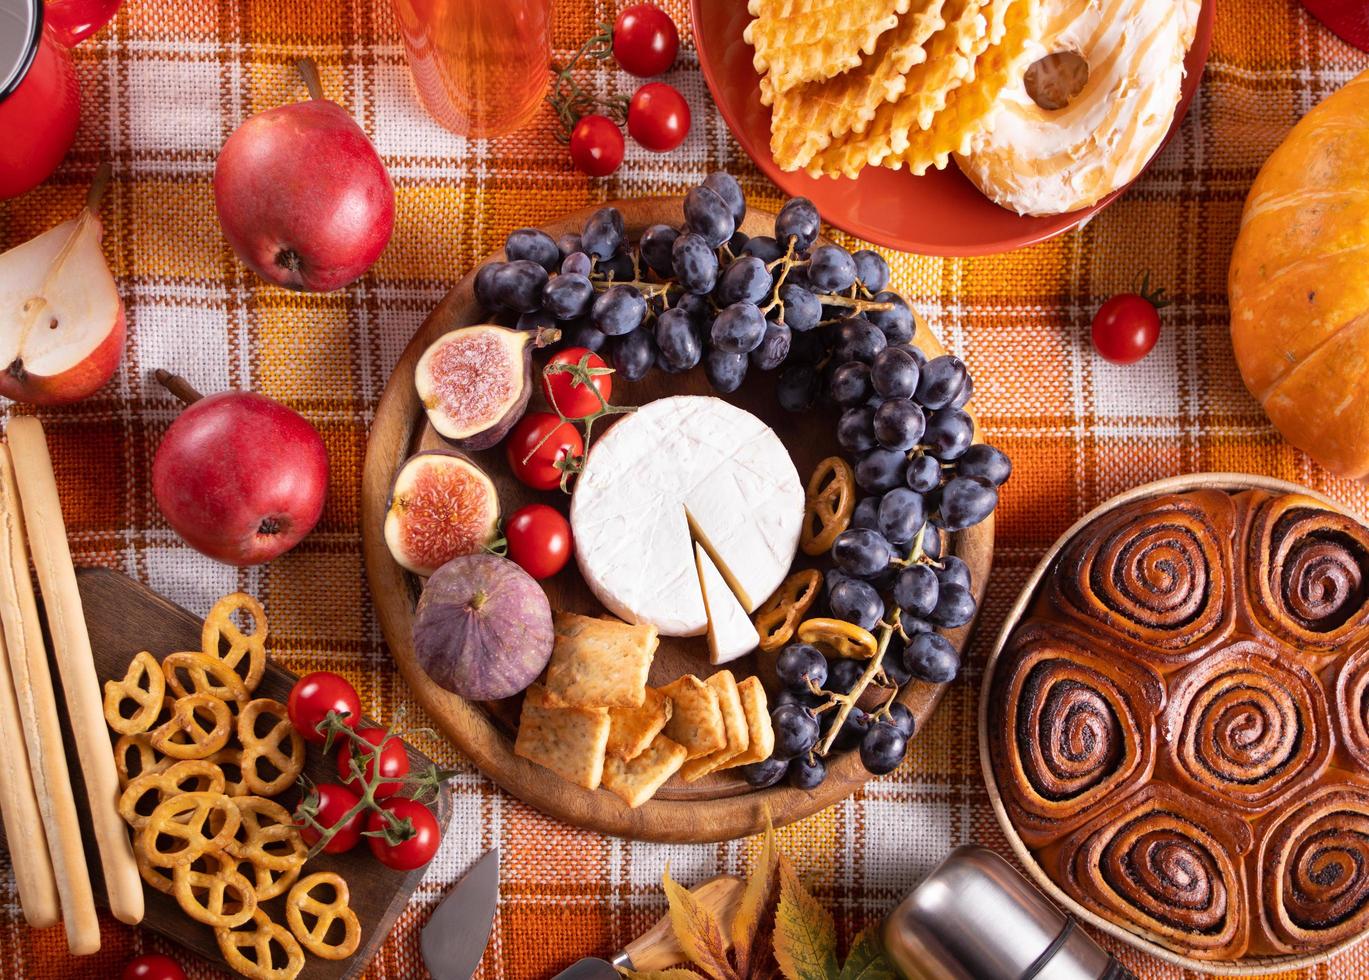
column 976, row 918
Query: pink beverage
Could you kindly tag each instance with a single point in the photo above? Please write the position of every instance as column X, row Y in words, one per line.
column 480, row 66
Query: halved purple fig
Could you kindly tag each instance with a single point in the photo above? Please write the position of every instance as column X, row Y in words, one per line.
column 475, row 382
column 442, row 506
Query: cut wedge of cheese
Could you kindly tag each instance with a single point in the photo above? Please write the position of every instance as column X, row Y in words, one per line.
column 675, row 471
column 730, row 633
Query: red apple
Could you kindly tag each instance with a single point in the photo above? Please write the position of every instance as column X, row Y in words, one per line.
column 241, row 477
column 302, row 196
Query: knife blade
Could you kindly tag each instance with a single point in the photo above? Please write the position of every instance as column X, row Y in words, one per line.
column 453, row 942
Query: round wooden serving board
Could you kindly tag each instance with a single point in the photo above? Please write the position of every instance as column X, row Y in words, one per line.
column 720, row 807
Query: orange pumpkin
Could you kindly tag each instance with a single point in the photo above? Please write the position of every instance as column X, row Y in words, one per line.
column 1299, row 284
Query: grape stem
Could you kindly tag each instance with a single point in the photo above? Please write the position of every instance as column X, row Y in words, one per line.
column 788, row 261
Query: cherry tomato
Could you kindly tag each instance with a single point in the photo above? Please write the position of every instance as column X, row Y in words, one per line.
column 334, row 803
column 565, row 392
column 415, row 852
column 645, row 40
column 537, row 443
column 658, row 117
column 394, row 761
column 539, row 540
column 596, row 146
column 1125, row 328
column 152, row 966
column 316, row 694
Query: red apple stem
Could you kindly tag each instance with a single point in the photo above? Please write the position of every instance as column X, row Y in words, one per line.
column 98, row 186
column 177, row 385
column 309, row 72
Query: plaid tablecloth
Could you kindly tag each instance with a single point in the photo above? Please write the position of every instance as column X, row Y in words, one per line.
column 167, row 82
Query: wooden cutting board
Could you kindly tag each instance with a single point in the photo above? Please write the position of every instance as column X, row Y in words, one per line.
column 124, row 617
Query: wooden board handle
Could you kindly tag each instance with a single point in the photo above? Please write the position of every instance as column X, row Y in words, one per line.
column 75, row 661
column 37, row 707
column 657, row 948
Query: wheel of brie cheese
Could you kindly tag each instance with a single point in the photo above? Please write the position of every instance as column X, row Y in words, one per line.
column 687, row 513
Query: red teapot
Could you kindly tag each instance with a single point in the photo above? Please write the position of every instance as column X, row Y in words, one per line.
column 40, row 98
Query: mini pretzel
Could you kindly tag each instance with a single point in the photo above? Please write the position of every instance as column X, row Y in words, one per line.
column 190, row 824
column 219, row 628
column 158, row 878
column 206, row 675
column 229, row 760
column 134, row 756
column 829, row 502
column 843, row 639
column 266, row 836
column 281, row 748
column 144, row 685
column 271, row 882
column 262, row 938
column 780, row 615
column 187, row 776
column 209, row 889
column 315, row 938
column 188, row 735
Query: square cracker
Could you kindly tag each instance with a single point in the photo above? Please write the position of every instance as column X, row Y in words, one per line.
column 761, row 734
column 638, row 780
column 568, row 741
column 632, row 729
column 734, row 723
column 696, row 721
column 599, row 663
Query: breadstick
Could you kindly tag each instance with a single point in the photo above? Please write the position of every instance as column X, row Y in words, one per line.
column 37, row 707
column 71, row 645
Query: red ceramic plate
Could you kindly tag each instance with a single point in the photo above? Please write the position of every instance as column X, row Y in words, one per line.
column 939, row 213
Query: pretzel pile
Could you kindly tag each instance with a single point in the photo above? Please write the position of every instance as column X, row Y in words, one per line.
column 198, row 760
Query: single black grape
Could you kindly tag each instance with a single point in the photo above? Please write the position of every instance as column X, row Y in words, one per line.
column 619, row 310
column 850, row 383
column 902, row 718
column 698, row 307
column 880, row 470
column 568, row 296
column 949, row 434
column 634, row 353
column 852, row 730
column 677, row 340
column 534, row 245
column 617, row 267
column 767, row 772
column 892, row 665
column 871, row 270
column 913, row 626
column 586, row 335
column 899, row 424
column 924, row 473
column 799, row 665
column 518, row 285
column 738, row 329
column 536, row 320
column 856, row 431
column 655, row 246
column 802, row 311
column 763, row 247
column 568, row 244
column 790, row 696
column 797, row 222
column 965, row 501
column 707, row 214
column 894, row 373
column 737, row 242
column 856, row 602
column 955, row 607
column 578, row 264
column 883, row 748
column 932, row 545
column 942, row 377
column 901, row 515
column 603, row 233
column 916, row 591
column 725, row 370
column 985, row 462
column 485, row 293
column 796, row 730
column 807, row 772
column 696, row 264
column 930, row 657
column 914, row 351
column 866, row 513
column 797, row 387
column 726, row 187
column 842, row 677
column 861, row 552
column 774, row 347
column 831, row 269
column 858, row 340
column 965, row 393
column 896, row 323
column 953, row 570
column 746, row 280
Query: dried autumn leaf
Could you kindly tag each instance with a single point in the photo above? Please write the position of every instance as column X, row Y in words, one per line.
column 697, row 930
column 805, row 933
column 866, row 961
column 755, row 907
column 674, row 973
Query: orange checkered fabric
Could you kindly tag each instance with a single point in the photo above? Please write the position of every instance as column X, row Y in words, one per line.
column 168, row 80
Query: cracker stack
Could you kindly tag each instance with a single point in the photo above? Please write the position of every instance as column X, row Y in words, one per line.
column 918, row 84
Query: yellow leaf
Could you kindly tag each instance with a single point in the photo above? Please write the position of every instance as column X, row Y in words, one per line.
column 866, row 961
column 698, row 931
column 805, row 934
column 674, row 973
column 755, row 905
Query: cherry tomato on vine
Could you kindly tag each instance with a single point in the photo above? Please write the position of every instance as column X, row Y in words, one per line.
column 152, row 966
column 645, row 40
column 1125, row 328
column 596, row 145
column 539, row 540
column 392, row 759
column 334, row 803
column 415, row 852
column 316, row 694
column 564, row 392
column 538, row 442
column 658, row 117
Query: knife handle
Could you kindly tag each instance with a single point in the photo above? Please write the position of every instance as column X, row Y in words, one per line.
column 657, row 948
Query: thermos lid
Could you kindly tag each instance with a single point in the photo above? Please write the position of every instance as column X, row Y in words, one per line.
column 21, row 26
column 976, row 918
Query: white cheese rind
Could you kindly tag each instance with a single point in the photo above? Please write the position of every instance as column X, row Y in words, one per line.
column 730, row 631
